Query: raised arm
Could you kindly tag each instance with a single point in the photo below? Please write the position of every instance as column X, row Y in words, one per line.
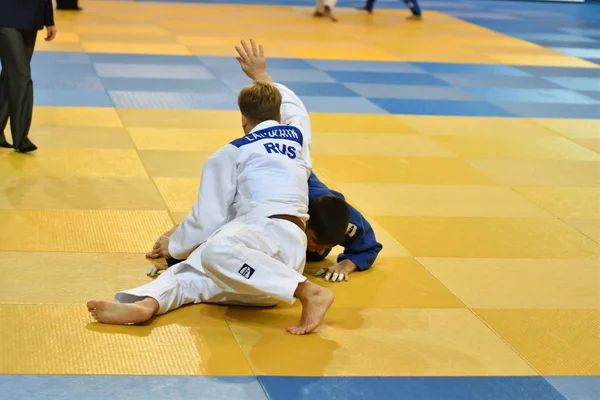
column 211, row 211
column 293, row 112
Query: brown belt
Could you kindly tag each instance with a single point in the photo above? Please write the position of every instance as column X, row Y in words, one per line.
column 292, row 219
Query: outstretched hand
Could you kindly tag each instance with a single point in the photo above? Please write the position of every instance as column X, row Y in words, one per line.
column 253, row 62
column 338, row 272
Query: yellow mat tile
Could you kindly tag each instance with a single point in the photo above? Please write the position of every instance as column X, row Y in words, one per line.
column 181, row 119
column 121, row 39
column 369, row 144
column 445, row 58
column 573, row 128
column 64, row 339
column 520, row 283
column 476, row 126
column 68, row 192
column 405, row 342
column 542, row 60
column 391, row 247
column 51, row 46
column 88, row 231
column 343, row 54
column 589, row 227
column 565, row 202
column 174, row 164
column 178, row 217
column 554, row 342
column 76, row 116
column 135, row 48
column 489, row 237
column 91, row 163
column 121, row 29
column 558, row 148
column 392, row 282
column 540, row 172
column 49, row 136
column 399, row 170
column 178, row 193
column 42, row 278
column 592, row 144
column 206, row 140
column 354, row 123
column 440, row 200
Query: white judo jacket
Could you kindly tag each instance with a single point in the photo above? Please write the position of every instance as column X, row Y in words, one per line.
column 261, row 174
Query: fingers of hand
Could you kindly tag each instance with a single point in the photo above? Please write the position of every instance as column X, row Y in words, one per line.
column 261, row 50
column 254, row 48
column 247, row 50
column 321, row 272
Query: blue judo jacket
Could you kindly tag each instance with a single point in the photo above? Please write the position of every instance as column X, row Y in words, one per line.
column 360, row 245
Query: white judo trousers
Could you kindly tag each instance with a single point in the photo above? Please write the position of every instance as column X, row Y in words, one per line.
column 322, row 3
column 257, row 262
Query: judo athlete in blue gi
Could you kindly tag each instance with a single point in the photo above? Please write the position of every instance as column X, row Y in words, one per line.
column 413, row 5
column 360, row 244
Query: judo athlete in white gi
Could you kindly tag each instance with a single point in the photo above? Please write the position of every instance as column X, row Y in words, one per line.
column 325, row 9
column 248, row 221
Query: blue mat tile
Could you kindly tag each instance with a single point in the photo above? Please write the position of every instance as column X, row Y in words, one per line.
column 152, row 71
column 166, row 85
column 298, row 75
column 54, row 82
column 523, row 82
column 366, row 66
column 386, row 78
column 576, row 83
column 548, row 110
column 344, row 105
column 175, row 101
column 471, row 69
column 282, row 63
column 563, row 71
column 556, row 45
column 320, row 89
column 577, row 387
column 593, row 95
column 53, row 57
column 476, row 16
column 118, row 58
column 100, row 387
column 410, row 92
column 579, row 52
column 67, row 70
column 278, row 74
column 583, row 31
column 71, row 98
column 441, row 107
column 562, row 96
column 408, row 388
column 553, row 37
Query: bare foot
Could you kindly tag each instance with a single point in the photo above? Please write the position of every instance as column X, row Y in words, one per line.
column 120, row 314
column 414, row 18
column 329, row 14
column 364, row 9
column 315, row 300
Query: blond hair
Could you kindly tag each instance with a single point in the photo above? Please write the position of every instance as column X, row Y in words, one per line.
column 260, row 102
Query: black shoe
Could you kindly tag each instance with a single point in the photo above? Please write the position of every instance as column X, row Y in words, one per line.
column 4, row 144
column 26, row 147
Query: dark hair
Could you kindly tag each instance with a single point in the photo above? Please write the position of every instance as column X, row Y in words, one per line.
column 329, row 218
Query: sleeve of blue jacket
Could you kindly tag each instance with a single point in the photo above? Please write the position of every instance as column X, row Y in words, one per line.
column 360, row 245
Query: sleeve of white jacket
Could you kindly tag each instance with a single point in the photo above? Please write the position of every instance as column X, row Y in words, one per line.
column 211, row 211
column 293, row 112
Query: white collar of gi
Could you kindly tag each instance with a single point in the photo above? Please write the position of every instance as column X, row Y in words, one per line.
column 265, row 125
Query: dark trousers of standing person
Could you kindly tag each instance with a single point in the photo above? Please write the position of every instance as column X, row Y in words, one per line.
column 413, row 5
column 16, row 86
column 67, row 5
